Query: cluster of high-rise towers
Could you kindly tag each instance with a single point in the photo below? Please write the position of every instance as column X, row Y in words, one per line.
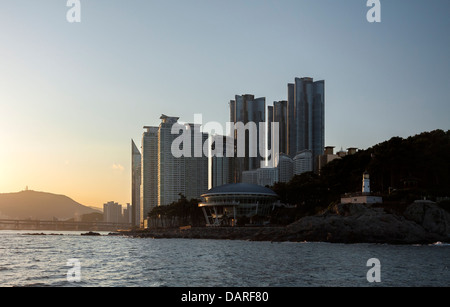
column 159, row 178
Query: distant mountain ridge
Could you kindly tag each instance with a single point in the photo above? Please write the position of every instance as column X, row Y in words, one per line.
column 40, row 206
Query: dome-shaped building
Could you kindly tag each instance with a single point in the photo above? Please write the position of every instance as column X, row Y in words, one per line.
column 224, row 205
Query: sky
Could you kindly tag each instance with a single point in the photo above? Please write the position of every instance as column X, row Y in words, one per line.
column 73, row 95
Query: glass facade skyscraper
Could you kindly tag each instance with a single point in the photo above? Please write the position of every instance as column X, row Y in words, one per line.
column 221, row 163
column 280, row 115
column 303, row 112
column 306, row 117
column 247, row 109
column 318, row 125
column 291, row 124
column 196, row 165
column 136, row 160
column 149, row 171
column 300, row 119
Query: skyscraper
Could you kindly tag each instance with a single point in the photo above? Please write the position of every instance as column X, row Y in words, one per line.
column 136, row 173
column 171, row 170
column 280, row 116
column 175, row 173
column 164, row 176
column 270, row 119
column 221, row 164
column 149, row 171
column 306, row 117
column 246, row 109
column 318, row 143
column 196, row 165
column 303, row 112
column 291, row 123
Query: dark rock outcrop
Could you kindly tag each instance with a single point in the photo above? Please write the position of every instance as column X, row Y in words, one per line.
column 354, row 223
column 91, row 233
column 430, row 216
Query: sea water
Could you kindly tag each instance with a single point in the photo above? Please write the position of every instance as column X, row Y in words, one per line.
column 48, row 260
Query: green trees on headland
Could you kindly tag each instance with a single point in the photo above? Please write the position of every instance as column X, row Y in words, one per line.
column 402, row 170
column 418, row 165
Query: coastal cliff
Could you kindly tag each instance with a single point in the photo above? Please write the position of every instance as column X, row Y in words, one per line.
column 421, row 223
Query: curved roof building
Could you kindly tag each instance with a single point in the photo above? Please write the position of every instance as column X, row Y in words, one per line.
column 224, row 205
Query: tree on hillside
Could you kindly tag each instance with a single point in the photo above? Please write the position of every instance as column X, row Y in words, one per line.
column 420, row 162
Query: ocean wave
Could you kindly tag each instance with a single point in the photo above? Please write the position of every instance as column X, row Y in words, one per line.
column 439, row 243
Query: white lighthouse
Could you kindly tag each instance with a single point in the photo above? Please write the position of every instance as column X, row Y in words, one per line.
column 362, row 198
column 366, row 183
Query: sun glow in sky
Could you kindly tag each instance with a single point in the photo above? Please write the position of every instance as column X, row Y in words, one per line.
column 72, row 95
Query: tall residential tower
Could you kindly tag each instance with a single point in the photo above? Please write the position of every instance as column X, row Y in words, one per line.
column 149, row 170
column 306, row 117
column 136, row 173
column 164, row 177
column 171, row 170
column 247, row 109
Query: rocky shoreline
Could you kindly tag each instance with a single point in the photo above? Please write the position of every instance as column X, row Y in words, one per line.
column 422, row 222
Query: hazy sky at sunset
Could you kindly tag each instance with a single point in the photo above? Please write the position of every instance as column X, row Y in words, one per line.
column 72, row 95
